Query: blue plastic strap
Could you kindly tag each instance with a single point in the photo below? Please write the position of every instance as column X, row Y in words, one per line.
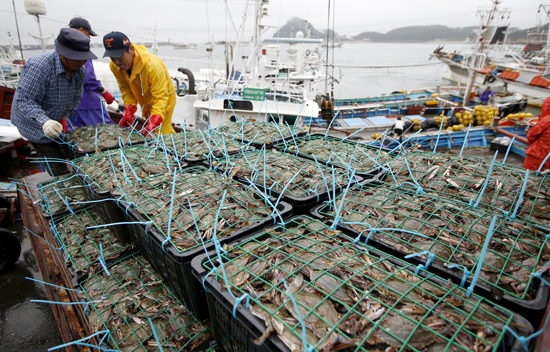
column 542, row 164
column 337, row 217
column 465, row 140
column 119, row 223
column 328, row 125
column 307, row 347
column 238, row 301
column 508, row 150
column 406, row 140
column 43, row 239
column 168, row 238
column 431, row 257
column 355, row 132
column 297, row 117
column 49, row 284
column 64, row 200
column 81, row 342
column 185, row 139
column 513, row 216
column 285, row 187
column 155, row 335
column 482, row 256
column 266, row 199
column 480, row 196
column 466, row 272
column 102, row 260
column 323, row 176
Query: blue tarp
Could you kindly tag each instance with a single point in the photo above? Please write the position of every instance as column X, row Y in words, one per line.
column 355, row 122
column 379, row 120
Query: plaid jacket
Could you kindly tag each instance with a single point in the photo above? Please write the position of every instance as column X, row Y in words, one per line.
column 539, row 135
column 44, row 92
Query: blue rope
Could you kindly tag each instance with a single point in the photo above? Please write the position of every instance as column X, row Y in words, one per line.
column 64, row 200
column 337, row 217
column 482, row 256
column 328, row 126
column 168, row 238
column 102, row 260
column 513, row 216
column 485, row 183
column 438, row 135
column 306, row 345
column 81, row 343
column 119, row 223
column 406, row 140
column 49, row 284
column 466, row 272
column 155, row 334
column 542, row 164
column 175, row 150
column 508, row 150
column 297, row 117
column 284, row 189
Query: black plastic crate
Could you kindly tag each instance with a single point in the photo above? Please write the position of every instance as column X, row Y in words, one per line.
column 533, row 308
column 298, row 203
column 276, row 137
column 68, row 186
column 73, row 151
column 235, row 334
column 175, row 266
column 374, row 173
column 177, row 148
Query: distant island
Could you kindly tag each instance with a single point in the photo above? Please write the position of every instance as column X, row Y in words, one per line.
column 409, row 34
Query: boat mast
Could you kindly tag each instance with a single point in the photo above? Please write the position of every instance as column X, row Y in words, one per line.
column 257, row 43
column 477, row 59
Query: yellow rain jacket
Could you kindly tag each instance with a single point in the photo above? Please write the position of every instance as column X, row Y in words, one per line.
column 149, row 85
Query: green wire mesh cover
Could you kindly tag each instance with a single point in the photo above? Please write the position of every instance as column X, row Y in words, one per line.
column 257, row 132
column 107, row 137
column 125, row 300
column 348, row 297
column 453, row 232
column 107, row 171
column 198, row 145
column 336, row 151
column 463, row 178
column 203, row 190
column 82, row 245
column 68, row 186
column 279, row 169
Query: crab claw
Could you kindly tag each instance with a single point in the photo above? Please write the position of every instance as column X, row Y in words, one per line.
column 376, row 312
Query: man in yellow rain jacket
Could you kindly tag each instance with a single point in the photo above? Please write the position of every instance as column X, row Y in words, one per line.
column 142, row 78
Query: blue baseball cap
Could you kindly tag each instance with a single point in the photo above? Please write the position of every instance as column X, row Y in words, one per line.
column 115, row 43
column 73, row 44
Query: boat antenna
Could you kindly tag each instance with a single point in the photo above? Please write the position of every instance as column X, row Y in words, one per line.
column 18, row 34
column 333, row 48
column 326, row 61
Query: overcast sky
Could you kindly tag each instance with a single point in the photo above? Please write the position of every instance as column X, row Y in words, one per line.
column 195, row 21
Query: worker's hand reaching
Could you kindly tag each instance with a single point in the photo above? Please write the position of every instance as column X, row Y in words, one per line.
column 52, row 128
column 108, row 97
column 154, row 122
column 128, row 116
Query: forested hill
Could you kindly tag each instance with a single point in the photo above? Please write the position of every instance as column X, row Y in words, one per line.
column 403, row 34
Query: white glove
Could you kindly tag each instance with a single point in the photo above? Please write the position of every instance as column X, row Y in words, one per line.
column 52, row 128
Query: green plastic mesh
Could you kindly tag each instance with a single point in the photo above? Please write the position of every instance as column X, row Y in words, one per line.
column 124, row 301
column 279, row 169
column 87, row 141
column 350, row 297
column 68, row 186
column 82, row 245
column 334, row 150
column 462, row 177
column 257, row 132
column 203, row 190
column 199, row 145
column 453, row 232
column 106, row 170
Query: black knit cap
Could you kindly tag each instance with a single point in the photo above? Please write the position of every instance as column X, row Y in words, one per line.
column 73, row 44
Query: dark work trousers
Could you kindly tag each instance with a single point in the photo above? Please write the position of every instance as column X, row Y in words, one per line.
column 399, row 132
column 55, row 151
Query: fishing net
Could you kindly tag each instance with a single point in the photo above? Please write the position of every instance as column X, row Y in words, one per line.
column 194, row 196
column 453, row 232
column 277, row 171
column 60, row 194
column 337, row 151
column 89, row 139
column 306, row 281
column 258, row 132
column 112, row 168
column 133, row 293
column 82, row 245
column 464, row 178
column 194, row 146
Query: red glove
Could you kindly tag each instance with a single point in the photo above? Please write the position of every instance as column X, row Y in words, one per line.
column 154, row 122
column 65, row 125
column 128, row 116
column 108, row 97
